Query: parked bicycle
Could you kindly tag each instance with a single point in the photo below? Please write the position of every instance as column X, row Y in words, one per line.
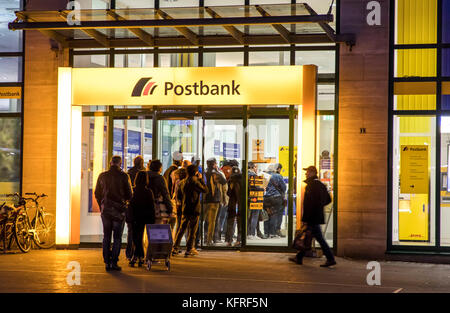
column 39, row 229
column 8, row 215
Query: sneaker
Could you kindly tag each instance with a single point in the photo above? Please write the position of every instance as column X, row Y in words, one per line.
column 193, row 251
column 237, row 243
column 328, row 263
column 262, row 236
column 280, row 234
column 115, row 267
column 295, row 260
column 252, row 237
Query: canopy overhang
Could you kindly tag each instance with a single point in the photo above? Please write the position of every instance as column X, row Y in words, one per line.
column 172, row 27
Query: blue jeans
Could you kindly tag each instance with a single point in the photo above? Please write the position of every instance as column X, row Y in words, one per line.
column 253, row 221
column 316, row 232
column 220, row 222
column 112, row 228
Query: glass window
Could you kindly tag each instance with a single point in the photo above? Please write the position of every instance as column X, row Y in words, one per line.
column 445, row 96
column 414, row 180
column 268, row 147
column 325, row 60
column 415, row 63
column 325, row 157
column 10, row 105
column 125, row 4
column 446, row 62
column 325, row 97
column 178, row 3
column 178, row 60
column 94, row 4
column 269, row 58
column 94, row 160
column 133, row 60
column 10, row 41
column 223, row 141
column 445, row 180
column 446, row 21
column 415, row 102
column 91, row 60
column 223, row 59
column 10, row 134
column 420, row 13
column 10, row 69
column 223, row 2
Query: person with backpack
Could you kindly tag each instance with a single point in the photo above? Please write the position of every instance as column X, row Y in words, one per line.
column 274, row 202
column 234, row 206
column 177, row 159
column 142, row 206
column 189, row 192
column 315, row 198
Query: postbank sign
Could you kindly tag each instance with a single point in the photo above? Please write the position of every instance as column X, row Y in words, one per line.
column 268, row 85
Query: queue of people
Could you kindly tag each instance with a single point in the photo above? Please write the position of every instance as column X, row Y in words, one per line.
column 146, row 196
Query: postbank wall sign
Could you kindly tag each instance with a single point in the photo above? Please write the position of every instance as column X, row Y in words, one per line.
column 414, row 169
column 268, row 85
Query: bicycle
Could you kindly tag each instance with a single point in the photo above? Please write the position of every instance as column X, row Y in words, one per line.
column 38, row 230
column 7, row 218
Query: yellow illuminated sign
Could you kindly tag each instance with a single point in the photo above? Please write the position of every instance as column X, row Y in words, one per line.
column 10, row 92
column 414, row 169
column 259, row 85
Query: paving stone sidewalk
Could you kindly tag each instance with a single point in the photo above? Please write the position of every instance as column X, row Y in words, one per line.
column 214, row 272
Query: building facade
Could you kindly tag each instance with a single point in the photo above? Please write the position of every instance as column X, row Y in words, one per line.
column 381, row 93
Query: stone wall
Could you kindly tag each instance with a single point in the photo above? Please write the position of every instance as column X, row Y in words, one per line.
column 362, row 158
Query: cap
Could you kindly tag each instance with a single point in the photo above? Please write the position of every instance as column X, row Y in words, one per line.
column 311, row 168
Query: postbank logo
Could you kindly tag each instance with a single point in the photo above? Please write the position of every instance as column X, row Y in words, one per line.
column 143, row 82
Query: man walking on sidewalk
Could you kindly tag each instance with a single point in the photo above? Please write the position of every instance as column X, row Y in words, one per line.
column 316, row 197
column 112, row 191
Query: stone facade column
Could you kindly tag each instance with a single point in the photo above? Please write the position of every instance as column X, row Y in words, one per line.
column 362, row 157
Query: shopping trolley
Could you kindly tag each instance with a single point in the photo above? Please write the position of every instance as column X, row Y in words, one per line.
column 158, row 245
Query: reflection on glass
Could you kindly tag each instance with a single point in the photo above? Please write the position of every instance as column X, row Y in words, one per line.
column 10, row 105
column 93, row 162
column 413, row 200
column 268, row 153
column 268, row 58
column 91, row 60
column 133, row 60
column 10, row 133
column 11, row 69
column 325, row 60
column 445, row 179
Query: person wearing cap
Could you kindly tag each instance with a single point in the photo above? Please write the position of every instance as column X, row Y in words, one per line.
column 177, row 161
column 315, row 198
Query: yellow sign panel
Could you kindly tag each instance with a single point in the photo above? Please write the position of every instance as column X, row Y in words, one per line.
column 414, row 218
column 10, row 92
column 283, row 156
column 258, row 85
column 414, row 169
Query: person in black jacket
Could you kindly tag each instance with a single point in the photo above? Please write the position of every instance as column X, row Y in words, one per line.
column 142, row 205
column 177, row 159
column 214, row 178
column 158, row 185
column 234, row 206
column 112, row 191
column 315, row 198
column 132, row 172
column 189, row 191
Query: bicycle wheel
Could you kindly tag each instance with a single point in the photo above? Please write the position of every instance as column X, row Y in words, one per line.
column 45, row 231
column 21, row 233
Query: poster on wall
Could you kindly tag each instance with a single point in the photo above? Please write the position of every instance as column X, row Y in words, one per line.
column 283, row 157
column 217, row 147
column 231, row 150
column 118, row 138
column 414, row 169
column 414, row 184
column 256, row 192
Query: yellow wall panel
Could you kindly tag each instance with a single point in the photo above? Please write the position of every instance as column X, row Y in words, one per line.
column 416, row 102
column 416, row 21
column 415, row 124
column 416, row 62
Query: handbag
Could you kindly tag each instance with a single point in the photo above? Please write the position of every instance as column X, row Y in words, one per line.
column 263, row 216
column 160, row 208
column 303, row 239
